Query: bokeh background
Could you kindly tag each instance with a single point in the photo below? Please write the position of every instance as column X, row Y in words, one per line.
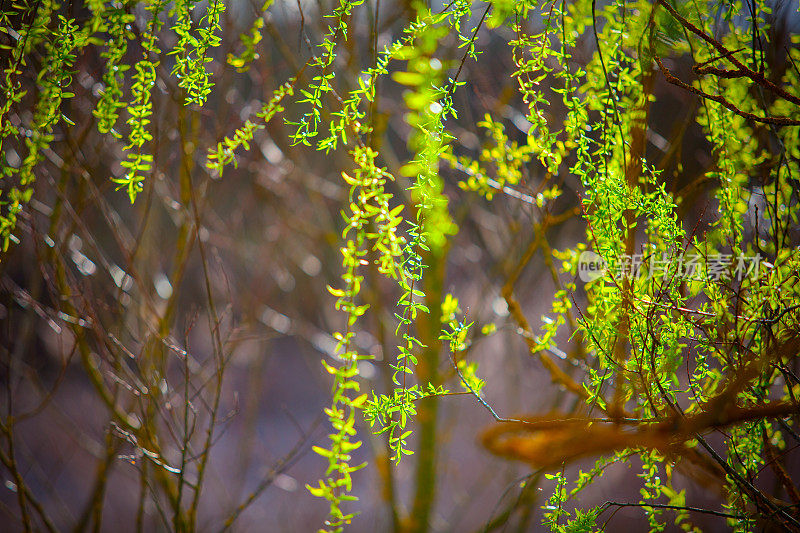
column 129, row 284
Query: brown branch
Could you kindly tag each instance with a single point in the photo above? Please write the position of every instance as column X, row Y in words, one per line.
column 757, row 77
column 778, row 121
column 549, row 441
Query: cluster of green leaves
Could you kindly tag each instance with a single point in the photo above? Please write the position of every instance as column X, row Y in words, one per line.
column 140, row 108
column 320, row 86
column 110, row 25
column 191, row 51
column 456, row 333
column 554, row 510
column 639, row 328
column 393, row 412
column 225, row 152
column 507, row 158
column 53, row 80
column 371, row 224
column 117, row 25
column 368, row 221
column 249, row 42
